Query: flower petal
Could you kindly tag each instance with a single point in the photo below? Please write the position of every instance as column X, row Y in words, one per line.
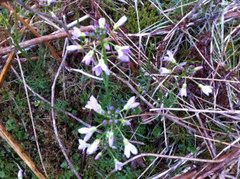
column 183, row 90
column 76, row 33
column 102, row 22
column 206, row 89
column 71, row 48
column 105, row 69
column 98, row 156
column 127, row 152
column 131, row 103
column 88, row 136
column 110, row 137
column 120, row 22
column 82, row 144
column 134, row 105
column 132, row 148
column 165, row 71
column 124, row 58
column 93, row 147
column 84, row 130
column 97, row 69
column 88, row 58
column 118, row 165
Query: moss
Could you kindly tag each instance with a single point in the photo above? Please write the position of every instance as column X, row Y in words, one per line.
column 147, row 17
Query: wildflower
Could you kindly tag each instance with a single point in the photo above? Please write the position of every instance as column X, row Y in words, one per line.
column 125, row 122
column 205, row 89
column 76, row 33
column 82, row 144
column 107, row 46
column 53, row 14
column 131, row 104
column 20, row 173
column 102, row 22
column 101, row 67
column 129, row 148
column 165, row 71
column 88, row 131
column 197, row 68
column 88, row 58
column 118, row 165
column 123, row 53
column 71, row 48
column 110, row 137
column 46, row 2
column 98, row 156
column 93, row 147
column 111, row 108
column 49, row 2
column 120, row 22
column 94, row 105
column 169, row 57
column 183, row 90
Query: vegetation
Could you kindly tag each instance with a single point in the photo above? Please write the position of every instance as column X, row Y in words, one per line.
column 120, row 89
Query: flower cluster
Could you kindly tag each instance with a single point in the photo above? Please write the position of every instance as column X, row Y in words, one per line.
column 112, row 130
column 206, row 89
column 101, row 31
column 169, row 57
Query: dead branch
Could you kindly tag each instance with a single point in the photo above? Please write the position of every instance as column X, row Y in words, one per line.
column 20, row 151
column 41, row 39
column 211, row 168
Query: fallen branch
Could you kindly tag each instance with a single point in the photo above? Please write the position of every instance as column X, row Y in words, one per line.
column 211, row 168
column 20, row 151
column 42, row 39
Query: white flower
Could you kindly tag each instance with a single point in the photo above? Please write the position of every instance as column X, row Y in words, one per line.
column 102, row 22
column 71, row 48
column 197, row 68
column 49, row 2
column 82, row 144
column 129, row 148
column 169, row 57
column 88, row 58
column 125, row 122
column 118, row 165
column 46, row 2
column 88, row 131
column 93, row 147
column 205, row 89
column 131, row 104
column 107, row 46
column 98, row 156
column 120, row 22
column 101, row 66
column 165, row 71
column 76, row 33
column 123, row 52
column 94, row 105
column 110, row 137
column 20, row 173
column 183, row 90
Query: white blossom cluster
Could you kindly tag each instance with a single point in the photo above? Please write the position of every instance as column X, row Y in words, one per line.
column 110, row 134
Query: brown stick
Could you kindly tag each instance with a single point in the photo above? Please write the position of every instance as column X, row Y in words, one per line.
column 41, row 39
column 6, row 67
column 21, row 153
column 211, row 168
column 7, row 64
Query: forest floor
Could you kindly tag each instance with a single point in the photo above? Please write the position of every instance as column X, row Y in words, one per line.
column 120, row 89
